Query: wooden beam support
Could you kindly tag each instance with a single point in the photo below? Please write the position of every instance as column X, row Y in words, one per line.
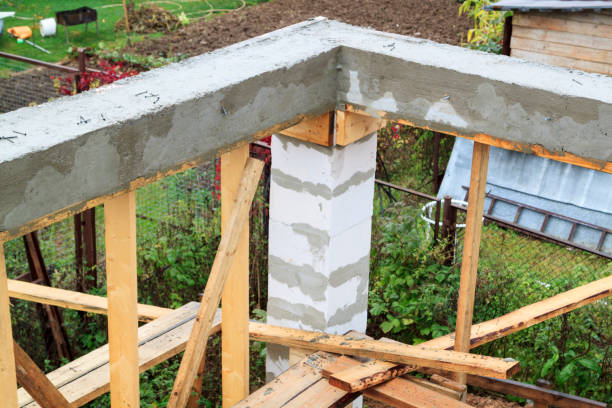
column 471, row 249
column 339, row 127
column 86, row 378
column 121, row 278
column 292, row 382
column 38, row 271
column 399, row 353
column 36, row 383
column 75, row 300
column 228, row 246
column 362, row 376
column 8, row 379
column 235, row 299
column 537, row 394
column 319, row 130
column 491, row 140
column 530, row 315
column 403, row 393
column 350, row 126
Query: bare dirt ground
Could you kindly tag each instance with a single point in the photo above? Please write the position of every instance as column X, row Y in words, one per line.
column 437, row 20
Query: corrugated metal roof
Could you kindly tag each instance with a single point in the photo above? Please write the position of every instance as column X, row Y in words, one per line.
column 550, row 5
column 553, row 186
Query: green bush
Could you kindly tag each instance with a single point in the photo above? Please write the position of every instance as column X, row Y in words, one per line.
column 412, row 294
column 413, row 299
column 488, row 32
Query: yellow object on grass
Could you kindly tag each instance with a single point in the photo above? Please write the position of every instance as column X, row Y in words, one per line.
column 22, row 32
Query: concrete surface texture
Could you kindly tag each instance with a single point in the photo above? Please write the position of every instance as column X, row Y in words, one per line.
column 321, row 201
column 543, row 183
column 72, row 150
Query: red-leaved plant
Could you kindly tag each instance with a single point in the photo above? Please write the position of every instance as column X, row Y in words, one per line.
column 109, row 73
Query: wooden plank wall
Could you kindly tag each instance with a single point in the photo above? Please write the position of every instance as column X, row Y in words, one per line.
column 580, row 41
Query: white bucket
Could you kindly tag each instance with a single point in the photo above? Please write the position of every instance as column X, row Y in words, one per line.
column 48, row 27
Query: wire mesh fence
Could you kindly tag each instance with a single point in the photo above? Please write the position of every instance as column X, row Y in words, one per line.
column 31, row 87
column 515, row 269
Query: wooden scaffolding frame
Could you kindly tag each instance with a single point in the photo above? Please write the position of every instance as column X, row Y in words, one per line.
column 131, row 349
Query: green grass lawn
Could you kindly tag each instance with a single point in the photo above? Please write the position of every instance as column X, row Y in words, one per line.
column 109, row 12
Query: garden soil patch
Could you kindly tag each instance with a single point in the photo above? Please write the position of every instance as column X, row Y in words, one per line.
column 437, row 20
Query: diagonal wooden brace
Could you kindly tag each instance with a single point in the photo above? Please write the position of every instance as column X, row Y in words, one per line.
column 212, row 294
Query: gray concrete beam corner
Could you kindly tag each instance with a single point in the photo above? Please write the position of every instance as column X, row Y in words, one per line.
column 72, row 150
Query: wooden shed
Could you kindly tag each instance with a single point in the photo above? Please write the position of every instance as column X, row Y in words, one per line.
column 574, row 34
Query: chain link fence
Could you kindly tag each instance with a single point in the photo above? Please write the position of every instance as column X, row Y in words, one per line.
column 574, row 351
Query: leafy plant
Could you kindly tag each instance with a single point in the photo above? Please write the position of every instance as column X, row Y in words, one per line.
column 412, row 293
column 488, row 31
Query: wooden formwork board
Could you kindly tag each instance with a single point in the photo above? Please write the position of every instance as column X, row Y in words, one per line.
column 88, row 377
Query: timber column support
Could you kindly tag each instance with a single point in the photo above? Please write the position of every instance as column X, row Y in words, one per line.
column 8, row 378
column 471, row 250
column 235, row 300
column 121, row 275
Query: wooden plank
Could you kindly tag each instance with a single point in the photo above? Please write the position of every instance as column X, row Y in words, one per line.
column 471, row 249
column 366, row 375
column 87, row 378
column 394, row 394
column 121, row 281
column 562, row 50
column 321, row 395
column 402, row 393
column 36, row 383
column 75, row 300
column 345, row 374
column 317, row 130
column 297, row 354
column 586, row 17
column 560, row 37
column 235, row 304
column 194, row 351
column 447, row 383
column 533, row 392
column 538, row 150
column 400, row 353
column 565, row 25
column 8, row 379
column 351, row 127
column 292, row 382
column 565, row 62
column 530, row 315
column 490, row 140
column 440, row 389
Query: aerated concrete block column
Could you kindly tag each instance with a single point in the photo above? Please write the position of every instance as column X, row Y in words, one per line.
column 319, row 246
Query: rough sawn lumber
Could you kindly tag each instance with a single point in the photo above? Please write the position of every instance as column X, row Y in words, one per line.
column 87, row 377
column 31, row 377
column 399, row 353
column 194, row 352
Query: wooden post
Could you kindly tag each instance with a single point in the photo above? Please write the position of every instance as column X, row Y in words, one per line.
column 449, row 228
column 436, row 163
column 91, row 258
column 195, row 348
column 235, row 303
column 36, row 383
column 507, row 36
column 471, row 248
column 8, row 378
column 120, row 223
column 78, row 251
column 38, row 270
